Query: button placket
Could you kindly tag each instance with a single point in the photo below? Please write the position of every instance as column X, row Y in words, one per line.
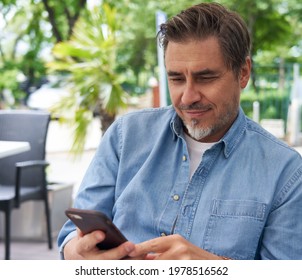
column 174, row 201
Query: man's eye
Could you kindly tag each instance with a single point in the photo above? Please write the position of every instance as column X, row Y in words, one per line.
column 207, row 78
column 176, row 79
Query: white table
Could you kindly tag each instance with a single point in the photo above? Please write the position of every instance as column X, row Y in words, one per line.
column 8, row 148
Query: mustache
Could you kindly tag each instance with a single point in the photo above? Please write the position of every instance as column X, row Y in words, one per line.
column 196, row 106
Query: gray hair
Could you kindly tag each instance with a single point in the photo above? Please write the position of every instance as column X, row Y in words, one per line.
column 210, row 20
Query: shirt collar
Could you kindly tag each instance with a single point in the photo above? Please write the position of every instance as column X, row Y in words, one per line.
column 230, row 139
column 234, row 135
column 176, row 126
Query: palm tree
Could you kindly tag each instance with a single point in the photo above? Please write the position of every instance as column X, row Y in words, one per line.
column 89, row 60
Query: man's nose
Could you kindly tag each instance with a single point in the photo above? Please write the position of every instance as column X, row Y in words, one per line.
column 190, row 94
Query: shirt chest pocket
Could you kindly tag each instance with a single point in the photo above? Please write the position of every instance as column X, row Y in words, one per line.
column 234, row 228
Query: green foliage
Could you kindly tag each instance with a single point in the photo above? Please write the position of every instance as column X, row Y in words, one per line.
column 89, row 59
column 9, row 82
column 273, row 104
column 27, row 29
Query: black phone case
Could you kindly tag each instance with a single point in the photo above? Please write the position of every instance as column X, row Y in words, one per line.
column 90, row 220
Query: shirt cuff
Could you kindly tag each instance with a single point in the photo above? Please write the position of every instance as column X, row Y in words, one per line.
column 66, row 240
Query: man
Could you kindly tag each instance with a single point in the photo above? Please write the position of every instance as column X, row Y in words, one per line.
column 196, row 180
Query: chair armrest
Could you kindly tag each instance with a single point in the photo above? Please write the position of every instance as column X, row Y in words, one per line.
column 32, row 163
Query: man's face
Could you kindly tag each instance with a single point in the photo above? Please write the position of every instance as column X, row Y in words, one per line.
column 204, row 92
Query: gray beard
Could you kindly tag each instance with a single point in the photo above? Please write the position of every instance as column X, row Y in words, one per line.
column 198, row 133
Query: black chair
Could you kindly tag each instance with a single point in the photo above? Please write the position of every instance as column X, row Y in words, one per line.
column 23, row 176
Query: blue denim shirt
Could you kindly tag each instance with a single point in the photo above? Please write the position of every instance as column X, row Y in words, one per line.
column 244, row 200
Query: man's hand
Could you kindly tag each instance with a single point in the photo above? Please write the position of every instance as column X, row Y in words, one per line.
column 84, row 247
column 172, row 247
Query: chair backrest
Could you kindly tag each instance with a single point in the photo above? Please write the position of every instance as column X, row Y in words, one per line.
column 23, row 125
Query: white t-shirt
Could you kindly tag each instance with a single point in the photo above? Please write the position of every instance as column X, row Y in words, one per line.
column 196, row 150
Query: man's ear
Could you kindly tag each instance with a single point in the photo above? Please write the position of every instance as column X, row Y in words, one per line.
column 245, row 72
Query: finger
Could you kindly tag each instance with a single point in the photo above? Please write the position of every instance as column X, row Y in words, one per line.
column 88, row 242
column 152, row 256
column 80, row 233
column 157, row 245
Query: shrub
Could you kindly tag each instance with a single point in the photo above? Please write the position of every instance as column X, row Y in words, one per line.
column 273, row 104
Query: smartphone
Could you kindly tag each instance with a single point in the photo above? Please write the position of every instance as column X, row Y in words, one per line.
column 90, row 220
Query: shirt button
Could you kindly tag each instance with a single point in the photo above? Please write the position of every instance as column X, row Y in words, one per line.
column 163, row 234
column 176, row 197
column 184, row 158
